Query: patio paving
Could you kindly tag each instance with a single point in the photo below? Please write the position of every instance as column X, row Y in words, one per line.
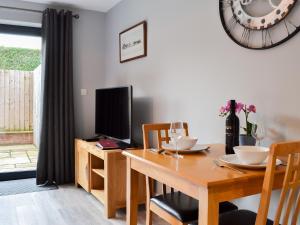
column 15, row 158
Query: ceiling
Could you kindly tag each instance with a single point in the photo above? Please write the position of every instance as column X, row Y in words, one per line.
column 97, row 5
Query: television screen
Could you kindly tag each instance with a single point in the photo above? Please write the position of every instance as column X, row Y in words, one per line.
column 113, row 113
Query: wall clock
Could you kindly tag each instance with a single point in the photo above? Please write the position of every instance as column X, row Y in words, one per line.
column 260, row 24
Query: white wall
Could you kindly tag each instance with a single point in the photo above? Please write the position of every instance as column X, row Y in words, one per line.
column 88, row 55
column 88, row 68
column 192, row 68
column 20, row 17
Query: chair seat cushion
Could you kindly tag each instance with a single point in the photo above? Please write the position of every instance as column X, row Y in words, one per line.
column 239, row 217
column 183, row 207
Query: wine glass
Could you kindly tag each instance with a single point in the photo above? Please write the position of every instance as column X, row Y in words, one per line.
column 258, row 131
column 176, row 132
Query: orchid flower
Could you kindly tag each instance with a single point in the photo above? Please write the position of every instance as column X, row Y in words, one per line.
column 240, row 107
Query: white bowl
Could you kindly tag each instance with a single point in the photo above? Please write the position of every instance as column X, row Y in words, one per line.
column 186, row 142
column 251, row 154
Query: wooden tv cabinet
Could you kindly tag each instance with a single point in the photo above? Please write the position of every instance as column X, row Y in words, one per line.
column 103, row 174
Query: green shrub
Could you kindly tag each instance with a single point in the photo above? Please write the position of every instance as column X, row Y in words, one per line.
column 19, row 58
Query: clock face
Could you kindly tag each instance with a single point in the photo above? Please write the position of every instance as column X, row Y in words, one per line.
column 260, row 24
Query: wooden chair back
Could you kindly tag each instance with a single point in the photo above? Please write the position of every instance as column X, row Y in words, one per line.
column 162, row 133
column 290, row 194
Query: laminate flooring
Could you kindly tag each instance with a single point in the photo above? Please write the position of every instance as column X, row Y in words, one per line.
column 68, row 205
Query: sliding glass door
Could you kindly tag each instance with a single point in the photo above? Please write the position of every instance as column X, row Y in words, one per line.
column 20, row 101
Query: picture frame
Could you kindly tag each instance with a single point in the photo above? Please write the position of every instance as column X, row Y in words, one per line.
column 133, row 42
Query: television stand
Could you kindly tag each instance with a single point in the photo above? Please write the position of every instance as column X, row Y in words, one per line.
column 121, row 144
column 103, row 174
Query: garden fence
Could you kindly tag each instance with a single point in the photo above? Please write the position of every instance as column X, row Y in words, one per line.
column 16, row 100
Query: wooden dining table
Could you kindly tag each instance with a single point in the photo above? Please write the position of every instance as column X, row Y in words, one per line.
column 195, row 175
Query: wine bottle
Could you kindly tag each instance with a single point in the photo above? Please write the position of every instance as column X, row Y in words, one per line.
column 232, row 129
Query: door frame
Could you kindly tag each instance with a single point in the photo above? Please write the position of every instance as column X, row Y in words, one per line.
column 27, row 31
column 17, row 175
column 20, row 30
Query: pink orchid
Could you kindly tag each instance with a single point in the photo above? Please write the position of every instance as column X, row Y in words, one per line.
column 227, row 107
column 239, row 107
column 222, row 109
column 251, row 108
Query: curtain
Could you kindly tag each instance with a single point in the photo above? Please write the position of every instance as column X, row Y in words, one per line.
column 56, row 150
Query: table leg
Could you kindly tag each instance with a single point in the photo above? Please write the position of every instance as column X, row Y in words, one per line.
column 208, row 208
column 132, row 195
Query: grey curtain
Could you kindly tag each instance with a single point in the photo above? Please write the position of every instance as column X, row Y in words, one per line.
column 56, row 152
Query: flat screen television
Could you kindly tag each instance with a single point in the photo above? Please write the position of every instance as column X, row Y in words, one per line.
column 114, row 113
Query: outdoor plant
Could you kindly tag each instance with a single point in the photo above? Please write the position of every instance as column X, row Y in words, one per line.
column 19, row 58
column 247, row 109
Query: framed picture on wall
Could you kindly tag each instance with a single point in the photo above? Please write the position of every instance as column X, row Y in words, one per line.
column 133, row 42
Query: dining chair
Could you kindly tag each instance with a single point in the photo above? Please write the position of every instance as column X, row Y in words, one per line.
column 289, row 197
column 174, row 207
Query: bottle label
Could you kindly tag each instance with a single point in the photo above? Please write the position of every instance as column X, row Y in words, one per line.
column 229, row 131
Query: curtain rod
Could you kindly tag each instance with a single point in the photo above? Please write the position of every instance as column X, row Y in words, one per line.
column 76, row 16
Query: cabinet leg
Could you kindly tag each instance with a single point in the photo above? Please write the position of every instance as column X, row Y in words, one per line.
column 148, row 217
column 110, row 212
